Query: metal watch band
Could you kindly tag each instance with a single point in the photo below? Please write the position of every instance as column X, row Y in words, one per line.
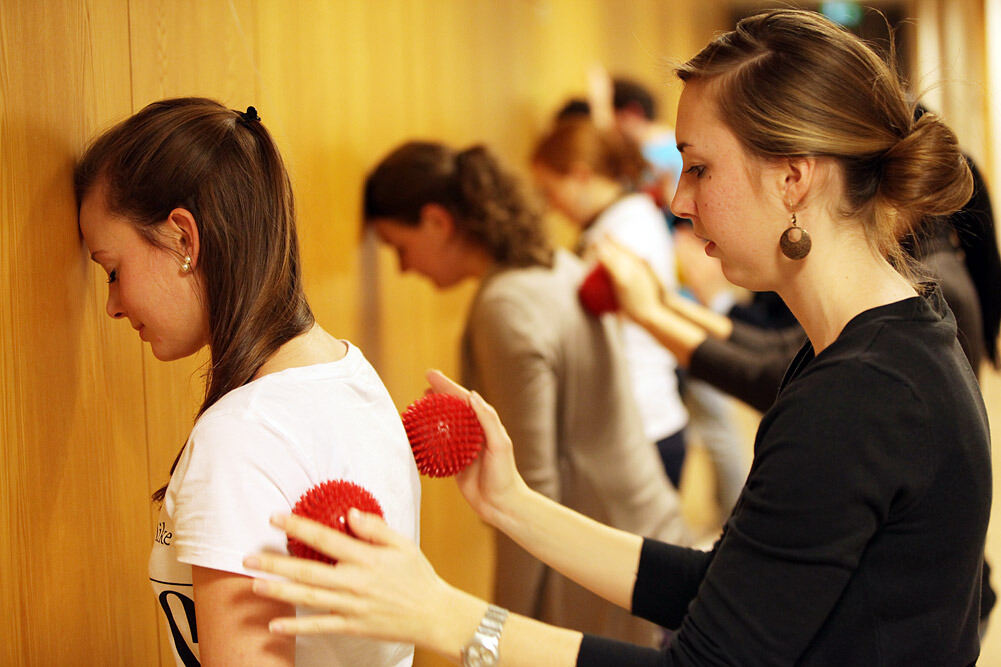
column 483, row 650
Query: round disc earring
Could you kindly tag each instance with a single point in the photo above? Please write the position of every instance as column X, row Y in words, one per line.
column 795, row 241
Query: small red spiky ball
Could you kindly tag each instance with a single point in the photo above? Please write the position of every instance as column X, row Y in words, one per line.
column 444, row 433
column 328, row 503
column 597, row 293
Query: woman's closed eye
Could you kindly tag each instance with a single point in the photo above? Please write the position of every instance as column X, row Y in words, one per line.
column 112, row 276
column 696, row 169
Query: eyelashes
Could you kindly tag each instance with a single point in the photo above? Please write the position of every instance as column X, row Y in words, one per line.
column 112, row 276
column 698, row 170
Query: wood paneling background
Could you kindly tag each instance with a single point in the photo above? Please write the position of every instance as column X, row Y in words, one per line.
column 91, row 421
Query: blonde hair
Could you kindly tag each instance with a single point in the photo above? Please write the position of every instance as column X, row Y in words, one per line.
column 789, row 83
column 606, row 152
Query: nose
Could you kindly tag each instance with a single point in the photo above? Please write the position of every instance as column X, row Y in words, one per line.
column 113, row 306
column 682, row 204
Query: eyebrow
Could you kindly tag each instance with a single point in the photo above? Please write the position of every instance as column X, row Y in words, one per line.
column 682, row 146
column 93, row 255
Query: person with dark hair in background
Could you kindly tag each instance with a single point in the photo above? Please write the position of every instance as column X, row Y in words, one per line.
column 555, row 374
column 858, row 538
column 188, row 208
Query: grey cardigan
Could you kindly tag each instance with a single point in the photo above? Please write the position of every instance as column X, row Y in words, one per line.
column 558, row 380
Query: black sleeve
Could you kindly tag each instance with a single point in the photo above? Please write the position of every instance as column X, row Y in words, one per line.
column 667, row 580
column 786, row 340
column 603, row 652
column 753, row 377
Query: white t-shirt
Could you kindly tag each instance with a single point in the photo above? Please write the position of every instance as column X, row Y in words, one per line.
column 637, row 223
column 253, row 454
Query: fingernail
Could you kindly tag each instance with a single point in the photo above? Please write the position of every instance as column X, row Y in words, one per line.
column 260, row 586
column 354, row 514
column 276, row 626
column 252, row 563
column 278, row 520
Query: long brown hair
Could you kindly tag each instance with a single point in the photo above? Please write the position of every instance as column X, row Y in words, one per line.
column 224, row 167
column 607, row 152
column 789, row 83
column 487, row 203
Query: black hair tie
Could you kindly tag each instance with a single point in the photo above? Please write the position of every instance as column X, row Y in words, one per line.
column 249, row 116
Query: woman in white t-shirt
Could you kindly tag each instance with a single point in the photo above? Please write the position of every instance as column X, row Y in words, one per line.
column 189, row 209
column 590, row 175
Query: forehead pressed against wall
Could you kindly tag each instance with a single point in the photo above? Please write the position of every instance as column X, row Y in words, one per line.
column 91, row 419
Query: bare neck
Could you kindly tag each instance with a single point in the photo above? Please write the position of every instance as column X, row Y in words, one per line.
column 835, row 284
column 314, row 346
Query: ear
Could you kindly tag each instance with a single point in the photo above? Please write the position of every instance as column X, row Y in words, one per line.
column 797, row 177
column 437, row 221
column 181, row 231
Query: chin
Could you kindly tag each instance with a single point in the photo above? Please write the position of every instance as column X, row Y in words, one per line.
column 746, row 279
column 163, row 353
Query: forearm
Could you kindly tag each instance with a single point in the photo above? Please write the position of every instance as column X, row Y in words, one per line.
column 676, row 333
column 714, row 324
column 600, row 558
column 524, row 642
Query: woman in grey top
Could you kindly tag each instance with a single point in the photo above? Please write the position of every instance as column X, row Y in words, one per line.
column 553, row 372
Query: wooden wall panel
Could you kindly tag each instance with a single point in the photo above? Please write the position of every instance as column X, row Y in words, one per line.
column 91, row 420
column 180, row 49
column 73, row 450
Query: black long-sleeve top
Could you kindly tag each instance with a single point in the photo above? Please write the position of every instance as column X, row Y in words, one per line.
column 859, row 535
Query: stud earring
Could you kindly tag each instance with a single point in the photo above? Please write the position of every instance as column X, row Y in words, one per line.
column 186, row 265
column 795, row 241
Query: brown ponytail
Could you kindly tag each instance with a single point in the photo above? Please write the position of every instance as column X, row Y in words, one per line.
column 486, row 202
column 224, row 167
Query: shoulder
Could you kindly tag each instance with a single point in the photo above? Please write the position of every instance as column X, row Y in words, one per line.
column 530, row 289
column 891, row 385
column 637, row 223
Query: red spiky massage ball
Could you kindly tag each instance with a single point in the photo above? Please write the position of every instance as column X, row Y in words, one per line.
column 444, row 433
column 597, row 293
column 328, row 503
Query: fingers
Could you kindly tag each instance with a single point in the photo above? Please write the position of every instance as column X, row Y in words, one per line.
column 312, row 596
column 372, row 528
column 296, row 569
column 442, row 384
column 333, row 543
column 489, row 420
column 311, row 625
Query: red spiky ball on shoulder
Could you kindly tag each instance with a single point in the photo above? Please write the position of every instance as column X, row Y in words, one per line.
column 597, row 293
column 328, row 503
column 444, row 433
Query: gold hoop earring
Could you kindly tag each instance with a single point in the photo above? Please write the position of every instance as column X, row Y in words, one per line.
column 795, row 241
column 186, row 265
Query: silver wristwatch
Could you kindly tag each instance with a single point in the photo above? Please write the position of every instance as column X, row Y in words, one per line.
column 483, row 650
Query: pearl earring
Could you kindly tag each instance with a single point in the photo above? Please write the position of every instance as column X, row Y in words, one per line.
column 186, row 265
